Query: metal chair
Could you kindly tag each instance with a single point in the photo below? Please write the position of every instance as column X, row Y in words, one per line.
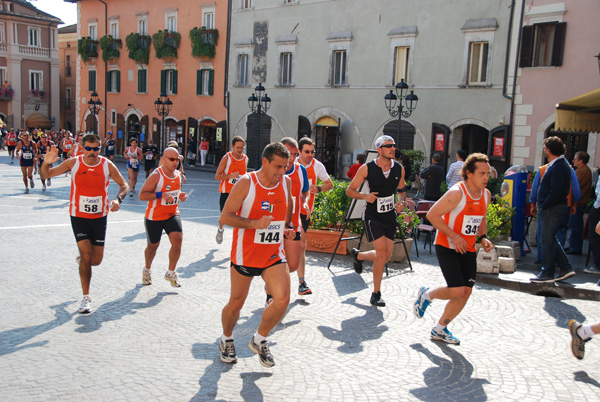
column 423, row 207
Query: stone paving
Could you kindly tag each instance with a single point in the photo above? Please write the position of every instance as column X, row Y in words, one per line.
column 160, row 343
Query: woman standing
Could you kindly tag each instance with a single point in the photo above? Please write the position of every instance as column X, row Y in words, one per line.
column 203, row 150
column 133, row 154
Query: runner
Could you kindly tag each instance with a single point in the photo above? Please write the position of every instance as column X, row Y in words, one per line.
column 315, row 171
column 77, row 149
column 26, row 151
column 133, row 155
column 151, row 154
column 232, row 166
column 162, row 190
column 11, row 143
column 259, row 208
column 109, row 146
column 89, row 204
column 65, row 146
column 385, row 177
column 459, row 217
column 35, row 138
column 42, row 148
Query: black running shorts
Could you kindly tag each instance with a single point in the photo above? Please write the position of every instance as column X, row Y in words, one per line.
column 375, row 229
column 458, row 269
column 222, row 200
column 305, row 222
column 251, row 271
column 93, row 230
column 154, row 229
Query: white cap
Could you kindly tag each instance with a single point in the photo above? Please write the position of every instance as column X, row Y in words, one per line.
column 384, row 138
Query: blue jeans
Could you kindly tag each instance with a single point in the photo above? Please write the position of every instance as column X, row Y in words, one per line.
column 554, row 218
column 594, row 238
column 576, row 226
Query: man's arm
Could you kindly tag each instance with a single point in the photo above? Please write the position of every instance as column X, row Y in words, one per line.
column 147, row 192
column 534, row 187
column 229, row 215
column 220, row 175
column 47, row 172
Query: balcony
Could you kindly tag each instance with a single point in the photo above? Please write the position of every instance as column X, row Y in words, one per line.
column 33, row 51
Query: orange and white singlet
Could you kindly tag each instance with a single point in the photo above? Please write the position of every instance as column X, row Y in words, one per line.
column 78, row 150
column 233, row 165
column 465, row 218
column 11, row 139
column 261, row 248
column 67, row 144
column 89, row 189
column 315, row 171
column 297, row 177
column 160, row 209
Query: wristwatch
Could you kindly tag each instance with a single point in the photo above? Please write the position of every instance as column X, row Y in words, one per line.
column 119, row 199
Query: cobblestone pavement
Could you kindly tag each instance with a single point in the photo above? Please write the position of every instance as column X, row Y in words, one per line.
column 160, row 343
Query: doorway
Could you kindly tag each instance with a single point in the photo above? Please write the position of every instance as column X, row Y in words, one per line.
column 474, row 139
column 133, row 128
column 327, row 143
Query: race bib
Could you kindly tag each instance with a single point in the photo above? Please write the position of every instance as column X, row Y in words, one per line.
column 385, row 204
column 27, row 155
column 133, row 163
column 149, row 156
column 471, row 224
column 90, row 205
column 271, row 235
column 174, row 194
column 233, row 180
column 111, row 147
column 68, row 146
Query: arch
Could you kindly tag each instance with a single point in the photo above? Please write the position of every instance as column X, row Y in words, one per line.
column 203, row 118
column 464, row 122
column 419, row 136
column 331, row 111
column 131, row 110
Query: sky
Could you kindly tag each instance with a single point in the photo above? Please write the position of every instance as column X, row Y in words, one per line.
column 58, row 8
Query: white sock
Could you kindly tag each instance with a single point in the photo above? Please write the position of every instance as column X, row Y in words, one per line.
column 439, row 327
column 259, row 338
column 226, row 338
column 427, row 297
column 585, row 332
column 147, row 270
column 221, row 230
column 170, row 273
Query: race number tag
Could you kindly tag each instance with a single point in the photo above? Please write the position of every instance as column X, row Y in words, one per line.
column 90, row 205
column 385, row 204
column 174, row 194
column 271, row 235
column 111, row 147
column 233, row 180
column 471, row 224
column 149, row 156
column 68, row 146
column 133, row 163
column 27, row 155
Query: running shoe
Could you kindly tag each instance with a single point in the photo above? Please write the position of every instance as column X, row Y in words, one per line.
column 266, row 358
column 86, row 305
column 147, row 277
column 592, row 270
column 173, row 279
column 44, row 187
column 26, row 190
column 227, row 351
column 49, row 182
column 303, row 289
column 376, row 299
column 357, row 263
column 220, row 235
column 444, row 336
column 269, row 300
column 422, row 303
column 131, row 194
column 562, row 275
column 31, row 183
column 577, row 344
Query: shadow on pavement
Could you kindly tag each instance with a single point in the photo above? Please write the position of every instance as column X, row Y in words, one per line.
column 203, row 265
column 116, row 309
column 562, row 312
column 451, row 380
column 250, row 391
column 582, row 376
column 356, row 330
column 137, row 236
column 11, row 339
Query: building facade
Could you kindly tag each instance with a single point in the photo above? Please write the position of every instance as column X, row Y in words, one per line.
column 327, row 65
column 29, row 64
column 132, row 52
column 67, row 54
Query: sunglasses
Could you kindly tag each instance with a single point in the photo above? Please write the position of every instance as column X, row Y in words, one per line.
column 308, row 152
column 171, row 159
column 95, row 149
column 388, row 146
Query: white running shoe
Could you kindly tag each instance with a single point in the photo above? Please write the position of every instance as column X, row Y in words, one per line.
column 44, row 187
column 31, row 183
column 49, row 182
column 146, row 277
column 172, row 278
column 86, row 305
column 220, row 235
column 26, row 190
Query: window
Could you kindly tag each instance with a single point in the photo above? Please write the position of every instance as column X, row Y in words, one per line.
column 34, row 37
column 114, row 29
column 543, row 44
column 113, row 117
column 168, row 81
column 2, row 33
column 3, row 75
column 143, row 25
column 171, row 22
column 285, row 68
column 478, row 60
column 35, row 80
column 68, row 98
column 68, row 65
column 91, row 80
column 113, row 81
column 339, row 68
column 142, row 76
column 209, row 20
column 205, row 82
column 93, row 31
column 401, row 58
column 246, row 4
column 242, row 67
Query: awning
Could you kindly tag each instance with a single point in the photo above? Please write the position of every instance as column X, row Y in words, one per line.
column 38, row 120
column 327, row 122
column 579, row 114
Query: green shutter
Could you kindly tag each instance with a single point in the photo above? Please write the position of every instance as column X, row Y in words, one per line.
column 108, row 81
column 163, row 81
column 211, row 77
column 91, row 81
column 118, row 81
column 198, row 82
column 174, row 81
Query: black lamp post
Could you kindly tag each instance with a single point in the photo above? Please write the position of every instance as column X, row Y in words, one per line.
column 393, row 102
column 94, row 105
column 163, row 107
column 259, row 104
column 598, row 57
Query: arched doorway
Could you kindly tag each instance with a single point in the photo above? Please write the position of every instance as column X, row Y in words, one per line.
column 208, row 130
column 91, row 123
column 406, row 139
column 474, row 139
column 133, row 127
column 258, row 136
column 327, row 135
column 574, row 141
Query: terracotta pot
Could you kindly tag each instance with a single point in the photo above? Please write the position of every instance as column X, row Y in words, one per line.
column 324, row 241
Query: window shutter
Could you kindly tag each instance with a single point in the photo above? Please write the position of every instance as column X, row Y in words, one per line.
column 118, row 81
column 558, row 46
column 198, row 82
column 526, row 46
column 211, row 77
column 163, row 81
column 108, row 81
column 174, row 81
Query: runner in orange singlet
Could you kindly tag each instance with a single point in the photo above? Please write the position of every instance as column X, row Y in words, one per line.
column 89, row 205
column 162, row 190
column 232, row 166
column 11, row 143
column 259, row 208
column 76, row 149
column 459, row 217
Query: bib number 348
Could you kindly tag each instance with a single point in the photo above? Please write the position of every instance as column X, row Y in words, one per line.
column 471, row 224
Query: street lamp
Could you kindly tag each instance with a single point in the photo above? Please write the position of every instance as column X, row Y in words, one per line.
column 598, row 57
column 393, row 102
column 259, row 104
column 163, row 107
column 94, row 105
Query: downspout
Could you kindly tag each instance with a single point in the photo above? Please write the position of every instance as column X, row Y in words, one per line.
column 105, row 69
column 226, row 88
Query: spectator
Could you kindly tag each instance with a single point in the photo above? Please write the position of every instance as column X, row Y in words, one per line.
column 405, row 161
column 584, row 178
column 434, row 174
column 203, row 150
column 360, row 160
column 454, row 172
column 191, row 151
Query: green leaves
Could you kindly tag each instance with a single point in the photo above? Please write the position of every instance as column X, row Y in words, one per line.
column 499, row 220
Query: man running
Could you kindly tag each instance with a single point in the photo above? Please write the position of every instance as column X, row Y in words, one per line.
column 77, row 149
column 232, row 166
column 109, row 146
column 88, row 205
column 315, row 171
column 163, row 192
column 259, row 208
column 133, row 155
column 42, row 148
column 151, row 154
column 26, row 152
column 459, row 217
column 385, row 177
column 11, row 143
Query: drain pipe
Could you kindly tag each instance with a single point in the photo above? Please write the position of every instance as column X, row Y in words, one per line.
column 226, row 93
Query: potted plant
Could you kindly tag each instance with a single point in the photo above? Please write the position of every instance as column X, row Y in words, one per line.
column 37, row 93
column 166, row 44
column 87, row 48
column 110, row 47
column 499, row 221
column 204, row 42
column 139, row 47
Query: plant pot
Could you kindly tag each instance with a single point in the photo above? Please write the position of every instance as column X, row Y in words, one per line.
column 398, row 254
column 324, row 241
